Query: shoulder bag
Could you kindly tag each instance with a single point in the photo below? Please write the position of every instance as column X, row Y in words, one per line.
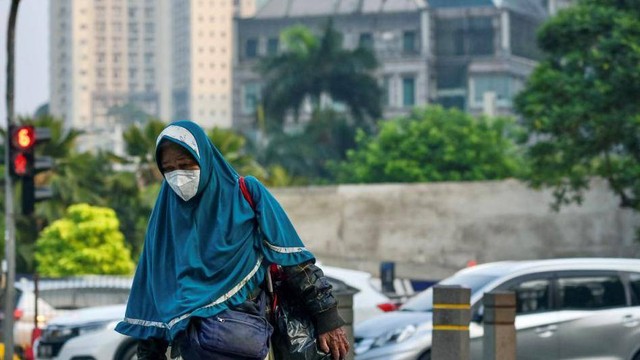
column 229, row 335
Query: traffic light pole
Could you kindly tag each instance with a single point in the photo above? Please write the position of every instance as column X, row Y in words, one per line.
column 9, row 245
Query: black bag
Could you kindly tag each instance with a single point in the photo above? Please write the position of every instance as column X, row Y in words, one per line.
column 229, row 335
column 295, row 336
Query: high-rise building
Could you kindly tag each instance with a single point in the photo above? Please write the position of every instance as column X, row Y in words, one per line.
column 113, row 61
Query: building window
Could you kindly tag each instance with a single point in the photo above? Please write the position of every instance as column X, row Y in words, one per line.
column 497, row 83
column 366, row 40
column 408, row 91
column 250, row 97
column 272, row 46
column 452, row 102
column 251, row 48
column 465, row 36
column 409, row 45
column 386, row 89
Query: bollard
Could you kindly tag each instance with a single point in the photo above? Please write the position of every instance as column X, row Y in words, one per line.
column 451, row 316
column 499, row 340
column 344, row 295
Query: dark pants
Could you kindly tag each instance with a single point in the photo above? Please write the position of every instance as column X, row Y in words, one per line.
column 152, row 349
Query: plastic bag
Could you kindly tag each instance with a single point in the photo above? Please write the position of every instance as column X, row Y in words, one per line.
column 295, row 336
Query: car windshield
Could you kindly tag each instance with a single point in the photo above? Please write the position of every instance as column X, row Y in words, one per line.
column 424, row 300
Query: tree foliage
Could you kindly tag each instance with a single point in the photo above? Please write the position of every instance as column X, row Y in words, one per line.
column 319, row 68
column 581, row 106
column 86, row 241
column 140, row 144
column 433, row 144
column 307, row 155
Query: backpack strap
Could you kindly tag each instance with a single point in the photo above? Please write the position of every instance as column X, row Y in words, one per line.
column 245, row 192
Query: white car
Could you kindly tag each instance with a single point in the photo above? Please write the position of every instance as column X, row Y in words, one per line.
column 565, row 309
column 368, row 301
column 86, row 334
column 24, row 315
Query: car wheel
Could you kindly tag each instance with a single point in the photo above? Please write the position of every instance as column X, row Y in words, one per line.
column 427, row 356
column 130, row 353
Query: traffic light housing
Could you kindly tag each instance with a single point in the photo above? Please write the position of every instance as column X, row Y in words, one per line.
column 25, row 164
column 22, row 142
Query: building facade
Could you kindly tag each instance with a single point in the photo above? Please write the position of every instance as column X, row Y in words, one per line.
column 111, row 59
column 474, row 55
column 395, row 30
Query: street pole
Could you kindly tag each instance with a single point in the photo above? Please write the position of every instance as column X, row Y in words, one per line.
column 9, row 244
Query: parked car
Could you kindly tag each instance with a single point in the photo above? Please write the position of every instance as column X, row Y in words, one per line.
column 86, row 333
column 24, row 315
column 368, row 301
column 580, row 308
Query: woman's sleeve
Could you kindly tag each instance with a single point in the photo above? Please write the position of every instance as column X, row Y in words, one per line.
column 307, row 282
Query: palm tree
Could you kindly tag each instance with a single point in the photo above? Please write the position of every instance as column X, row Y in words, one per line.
column 141, row 146
column 317, row 68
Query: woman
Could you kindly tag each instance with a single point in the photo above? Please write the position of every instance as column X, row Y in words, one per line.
column 205, row 252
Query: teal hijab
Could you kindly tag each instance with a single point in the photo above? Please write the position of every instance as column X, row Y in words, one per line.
column 203, row 255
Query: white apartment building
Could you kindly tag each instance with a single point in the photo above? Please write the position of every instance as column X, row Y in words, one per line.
column 170, row 59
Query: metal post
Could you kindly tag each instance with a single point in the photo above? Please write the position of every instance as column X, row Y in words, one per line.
column 499, row 340
column 9, row 238
column 451, row 316
column 388, row 276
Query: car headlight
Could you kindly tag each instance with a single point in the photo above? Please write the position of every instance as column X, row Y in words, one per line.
column 392, row 337
column 57, row 333
column 96, row 326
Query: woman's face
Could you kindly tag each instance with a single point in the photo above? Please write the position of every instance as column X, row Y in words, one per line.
column 175, row 157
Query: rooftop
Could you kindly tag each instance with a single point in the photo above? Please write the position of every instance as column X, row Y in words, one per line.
column 308, row 8
column 305, row 8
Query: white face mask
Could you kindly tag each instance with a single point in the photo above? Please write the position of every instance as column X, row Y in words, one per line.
column 184, row 182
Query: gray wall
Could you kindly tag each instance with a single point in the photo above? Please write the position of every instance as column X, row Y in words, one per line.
column 432, row 230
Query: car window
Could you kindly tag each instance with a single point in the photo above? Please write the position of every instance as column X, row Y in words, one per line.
column 424, row 300
column 531, row 295
column 634, row 281
column 591, row 292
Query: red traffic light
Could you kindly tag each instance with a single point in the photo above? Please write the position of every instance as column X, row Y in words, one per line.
column 20, row 164
column 23, row 137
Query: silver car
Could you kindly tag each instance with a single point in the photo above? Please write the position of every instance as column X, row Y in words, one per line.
column 579, row 308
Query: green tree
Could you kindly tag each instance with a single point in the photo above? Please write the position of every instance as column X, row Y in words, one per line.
column 316, row 68
column 307, row 155
column 233, row 147
column 86, row 241
column 128, row 114
column 140, row 142
column 581, row 107
column 433, row 144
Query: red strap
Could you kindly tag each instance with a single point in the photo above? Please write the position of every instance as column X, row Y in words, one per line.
column 245, row 192
column 273, row 269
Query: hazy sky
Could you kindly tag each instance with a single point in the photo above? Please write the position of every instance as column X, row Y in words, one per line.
column 32, row 56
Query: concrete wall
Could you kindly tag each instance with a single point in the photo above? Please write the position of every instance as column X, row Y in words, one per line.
column 432, row 230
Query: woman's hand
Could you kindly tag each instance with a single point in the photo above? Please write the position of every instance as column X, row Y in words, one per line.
column 335, row 342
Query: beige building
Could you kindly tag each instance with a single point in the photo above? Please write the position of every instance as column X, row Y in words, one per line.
column 112, row 61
